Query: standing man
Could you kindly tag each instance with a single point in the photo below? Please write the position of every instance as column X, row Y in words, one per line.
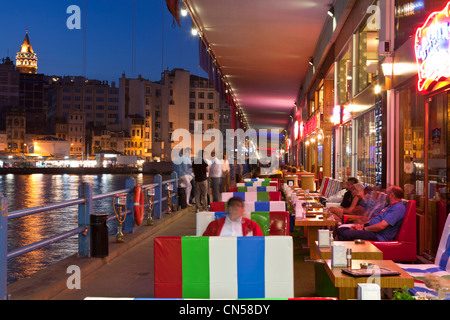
column 182, row 166
column 215, row 174
column 200, row 169
column 225, row 173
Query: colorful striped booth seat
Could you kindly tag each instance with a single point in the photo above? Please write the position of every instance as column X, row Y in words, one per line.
column 257, row 184
column 224, row 267
column 441, row 266
column 324, row 185
column 265, row 180
column 404, row 246
column 253, row 189
column 251, row 206
column 333, row 187
column 252, row 196
column 275, row 223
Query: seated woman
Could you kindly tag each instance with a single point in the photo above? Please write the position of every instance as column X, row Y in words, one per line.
column 357, row 208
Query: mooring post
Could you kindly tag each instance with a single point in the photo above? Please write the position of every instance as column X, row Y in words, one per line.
column 84, row 218
column 128, row 225
column 157, row 209
column 174, row 176
column 3, row 247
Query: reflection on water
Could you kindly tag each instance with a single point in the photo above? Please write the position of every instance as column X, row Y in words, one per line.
column 26, row 191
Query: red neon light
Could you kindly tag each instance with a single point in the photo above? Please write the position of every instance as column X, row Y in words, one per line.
column 336, row 117
column 302, row 129
column 432, row 49
column 296, row 130
column 312, row 124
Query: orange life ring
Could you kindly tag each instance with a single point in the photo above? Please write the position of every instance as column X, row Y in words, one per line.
column 138, row 205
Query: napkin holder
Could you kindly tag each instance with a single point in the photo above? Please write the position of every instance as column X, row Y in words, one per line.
column 338, row 256
column 369, row 291
column 324, row 238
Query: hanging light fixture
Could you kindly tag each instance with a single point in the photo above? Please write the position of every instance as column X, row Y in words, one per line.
column 331, row 12
column 183, row 11
column 194, row 30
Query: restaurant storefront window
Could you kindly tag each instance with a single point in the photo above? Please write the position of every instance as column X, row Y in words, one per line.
column 345, row 170
column 345, row 76
column 366, row 146
column 437, row 145
column 368, row 46
column 423, row 101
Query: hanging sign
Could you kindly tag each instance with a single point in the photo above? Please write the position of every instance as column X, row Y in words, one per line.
column 432, row 49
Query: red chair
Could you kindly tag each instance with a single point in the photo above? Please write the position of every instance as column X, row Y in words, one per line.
column 218, row 206
column 274, row 196
column 279, row 223
column 404, row 246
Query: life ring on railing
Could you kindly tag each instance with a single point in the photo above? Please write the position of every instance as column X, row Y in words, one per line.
column 138, row 205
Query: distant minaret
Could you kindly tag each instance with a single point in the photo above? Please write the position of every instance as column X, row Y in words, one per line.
column 26, row 59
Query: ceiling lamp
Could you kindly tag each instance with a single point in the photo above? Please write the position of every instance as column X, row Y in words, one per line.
column 331, row 12
column 184, row 11
column 194, row 30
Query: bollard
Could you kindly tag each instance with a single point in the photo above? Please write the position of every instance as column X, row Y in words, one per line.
column 99, row 235
column 3, row 247
column 128, row 225
column 157, row 208
column 84, row 211
column 175, row 199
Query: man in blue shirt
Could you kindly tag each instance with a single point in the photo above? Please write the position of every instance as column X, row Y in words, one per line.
column 384, row 224
column 182, row 166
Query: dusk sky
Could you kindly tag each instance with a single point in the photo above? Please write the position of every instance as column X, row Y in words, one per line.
column 109, row 38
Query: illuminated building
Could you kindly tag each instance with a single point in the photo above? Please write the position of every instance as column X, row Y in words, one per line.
column 26, row 59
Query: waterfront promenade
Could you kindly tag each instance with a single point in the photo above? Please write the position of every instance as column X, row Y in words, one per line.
column 127, row 272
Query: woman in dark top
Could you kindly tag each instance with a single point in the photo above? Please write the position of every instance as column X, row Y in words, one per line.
column 356, row 209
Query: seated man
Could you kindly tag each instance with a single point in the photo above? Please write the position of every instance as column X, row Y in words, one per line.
column 384, row 225
column 234, row 224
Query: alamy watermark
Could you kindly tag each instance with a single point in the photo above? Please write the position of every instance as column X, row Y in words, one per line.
column 241, row 147
column 74, row 20
column 74, row 280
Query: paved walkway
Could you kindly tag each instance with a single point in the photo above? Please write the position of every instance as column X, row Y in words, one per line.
column 128, row 269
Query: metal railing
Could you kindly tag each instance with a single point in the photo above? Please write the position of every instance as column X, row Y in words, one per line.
column 85, row 209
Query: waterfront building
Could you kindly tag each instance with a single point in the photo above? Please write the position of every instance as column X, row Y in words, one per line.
column 15, row 130
column 79, row 105
column 174, row 102
column 143, row 117
column 9, row 85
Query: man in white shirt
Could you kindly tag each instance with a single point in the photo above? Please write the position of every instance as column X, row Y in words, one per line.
column 234, row 224
column 215, row 175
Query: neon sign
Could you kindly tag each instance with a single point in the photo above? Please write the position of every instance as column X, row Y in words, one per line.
column 312, row 124
column 336, row 117
column 302, row 129
column 296, row 130
column 432, row 48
